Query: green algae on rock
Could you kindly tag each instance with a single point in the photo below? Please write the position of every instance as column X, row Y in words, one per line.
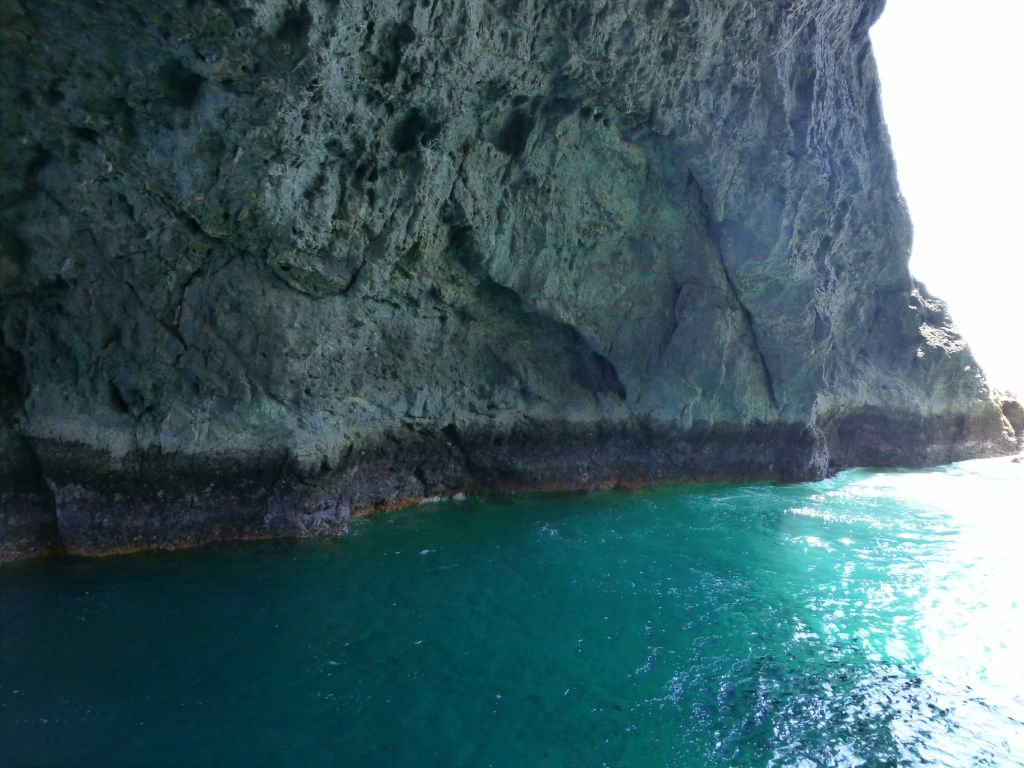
column 265, row 264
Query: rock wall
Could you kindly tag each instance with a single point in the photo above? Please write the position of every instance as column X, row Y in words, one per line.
column 265, row 264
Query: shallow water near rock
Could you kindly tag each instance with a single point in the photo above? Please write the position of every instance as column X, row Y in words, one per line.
column 869, row 619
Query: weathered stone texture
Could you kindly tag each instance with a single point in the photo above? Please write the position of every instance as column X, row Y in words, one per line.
column 266, row 263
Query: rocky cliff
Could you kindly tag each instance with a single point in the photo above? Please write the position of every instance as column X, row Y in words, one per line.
column 265, row 264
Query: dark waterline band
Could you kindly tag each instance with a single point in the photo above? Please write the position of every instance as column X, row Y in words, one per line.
column 94, row 504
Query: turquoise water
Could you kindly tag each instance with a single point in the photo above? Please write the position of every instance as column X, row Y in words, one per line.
column 872, row 619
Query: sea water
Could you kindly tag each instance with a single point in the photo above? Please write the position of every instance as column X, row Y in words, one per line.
column 872, row 619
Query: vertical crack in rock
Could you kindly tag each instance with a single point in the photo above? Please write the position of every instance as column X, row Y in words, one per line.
column 715, row 233
column 768, row 382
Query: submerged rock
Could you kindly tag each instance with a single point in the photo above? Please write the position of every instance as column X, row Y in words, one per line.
column 265, row 264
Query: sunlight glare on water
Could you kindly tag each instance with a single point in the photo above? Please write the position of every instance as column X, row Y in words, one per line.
column 872, row 619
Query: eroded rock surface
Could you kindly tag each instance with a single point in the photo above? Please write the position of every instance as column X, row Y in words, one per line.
column 265, row 264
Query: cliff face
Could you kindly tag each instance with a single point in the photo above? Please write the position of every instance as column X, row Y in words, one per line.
column 268, row 263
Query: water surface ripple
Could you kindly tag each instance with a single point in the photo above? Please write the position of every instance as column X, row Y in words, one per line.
column 873, row 619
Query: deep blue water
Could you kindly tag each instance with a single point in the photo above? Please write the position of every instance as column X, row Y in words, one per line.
column 871, row 619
